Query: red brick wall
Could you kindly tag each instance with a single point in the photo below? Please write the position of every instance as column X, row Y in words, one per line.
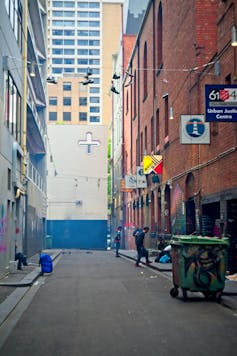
column 195, row 32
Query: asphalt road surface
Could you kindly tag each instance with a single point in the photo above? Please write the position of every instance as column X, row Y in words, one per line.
column 95, row 304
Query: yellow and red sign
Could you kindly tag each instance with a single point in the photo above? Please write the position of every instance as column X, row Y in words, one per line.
column 152, row 163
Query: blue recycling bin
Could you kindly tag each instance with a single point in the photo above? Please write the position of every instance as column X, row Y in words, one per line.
column 46, row 263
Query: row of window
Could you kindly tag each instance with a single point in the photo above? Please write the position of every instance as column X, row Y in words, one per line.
column 67, row 86
column 67, row 116
column 67, row 100
column 80, row 4
column 85, row 33
column 80, row 52
column 60, row 70
column 14, row 11
column 12, row 106
column 69, row 60
column 64, row 42
column 71, row 23
column 81, row 14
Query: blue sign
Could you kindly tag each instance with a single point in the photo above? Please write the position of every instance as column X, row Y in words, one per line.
column 221, row 103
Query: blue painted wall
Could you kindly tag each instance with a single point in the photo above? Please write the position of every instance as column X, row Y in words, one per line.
column 83, row 234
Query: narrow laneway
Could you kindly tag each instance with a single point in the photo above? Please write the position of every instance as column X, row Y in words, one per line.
column 96, row 304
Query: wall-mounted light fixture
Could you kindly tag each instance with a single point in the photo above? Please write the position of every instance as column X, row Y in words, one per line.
column 32, row 69
column 233, row 36
column 171, row 113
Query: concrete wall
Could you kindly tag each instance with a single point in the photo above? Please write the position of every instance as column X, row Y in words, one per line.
column 77, row 186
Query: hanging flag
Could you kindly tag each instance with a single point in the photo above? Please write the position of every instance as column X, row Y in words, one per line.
column 152, row 163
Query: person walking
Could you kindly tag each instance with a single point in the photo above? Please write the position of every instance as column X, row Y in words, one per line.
column 117, row 240
column 141, row 250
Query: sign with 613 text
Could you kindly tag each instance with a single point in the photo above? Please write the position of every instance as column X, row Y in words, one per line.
column 221, row 103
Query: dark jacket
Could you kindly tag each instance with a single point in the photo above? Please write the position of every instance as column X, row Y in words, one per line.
column 140, row 239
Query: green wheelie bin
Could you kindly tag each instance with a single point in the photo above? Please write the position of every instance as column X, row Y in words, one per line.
column 199, row 265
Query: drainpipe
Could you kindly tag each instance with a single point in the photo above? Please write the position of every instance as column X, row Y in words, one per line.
column 24, row 119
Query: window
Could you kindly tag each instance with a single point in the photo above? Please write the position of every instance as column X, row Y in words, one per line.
column 94, row 33
column 67, row 101
column 57, row 32
column 157, row 133
column 82, row 52
column 63, row 23
column 82, row 116
column 135, row 94
column 57, row 70
column 14, row 11
column 166, row 110
column 83, row 101
column 94, row 52
column 84, row 33
column 12, row 106
column 66, row 116
column 9, row 180
column 69, row 61
column 82, row 61
column 94, row 119
column 94, row 43
column 57, row 42
column 57, row 3
column 145, row 71
column 127, row 102
column 83, row 14
column 68, row 51
column 160, row 38
column 94, row 100
column 82, row 23
column 94, row 14
column 57, row 51
column 69, row 42
column 82, row 42
column 141, row 145
column 94, row 109
column 145, row 140
column 67, row 86
column 94, row 62
column 86, row 4
column 53, row 100
column 152, row 133
column 69, row 3
column 57, row 61
column 69, row 32
column 52, row 116
column 94, row 90
column 68, row 70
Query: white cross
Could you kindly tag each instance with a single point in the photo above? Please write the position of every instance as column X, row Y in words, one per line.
column 89, row 142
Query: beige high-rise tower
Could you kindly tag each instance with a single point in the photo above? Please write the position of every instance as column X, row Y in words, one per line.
column 82, row 39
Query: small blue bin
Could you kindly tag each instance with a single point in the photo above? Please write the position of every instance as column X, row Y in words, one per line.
column 46, row 263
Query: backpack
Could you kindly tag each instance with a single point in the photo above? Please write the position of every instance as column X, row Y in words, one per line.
column 136, row 232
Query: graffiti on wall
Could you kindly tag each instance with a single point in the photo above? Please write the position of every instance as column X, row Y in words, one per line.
column 3, row 228
column 204, row 265
column 177, row 215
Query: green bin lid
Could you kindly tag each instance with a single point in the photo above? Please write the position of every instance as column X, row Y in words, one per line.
column 199, row 240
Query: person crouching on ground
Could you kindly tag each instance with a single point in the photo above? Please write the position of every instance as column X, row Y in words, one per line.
column 117, row 240
column 141, row 251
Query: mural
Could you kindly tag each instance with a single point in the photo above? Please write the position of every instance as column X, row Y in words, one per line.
column 177, row 213
column 204, row 266
column 3, row 229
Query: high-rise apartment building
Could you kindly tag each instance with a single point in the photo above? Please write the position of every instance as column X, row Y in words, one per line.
column 77, row 32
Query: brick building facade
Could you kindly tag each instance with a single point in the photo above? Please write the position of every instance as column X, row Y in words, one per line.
column 181, row 47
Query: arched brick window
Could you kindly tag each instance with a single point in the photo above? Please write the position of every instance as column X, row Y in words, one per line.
column 159, row 38
column 135, row 94
column 145, row 71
